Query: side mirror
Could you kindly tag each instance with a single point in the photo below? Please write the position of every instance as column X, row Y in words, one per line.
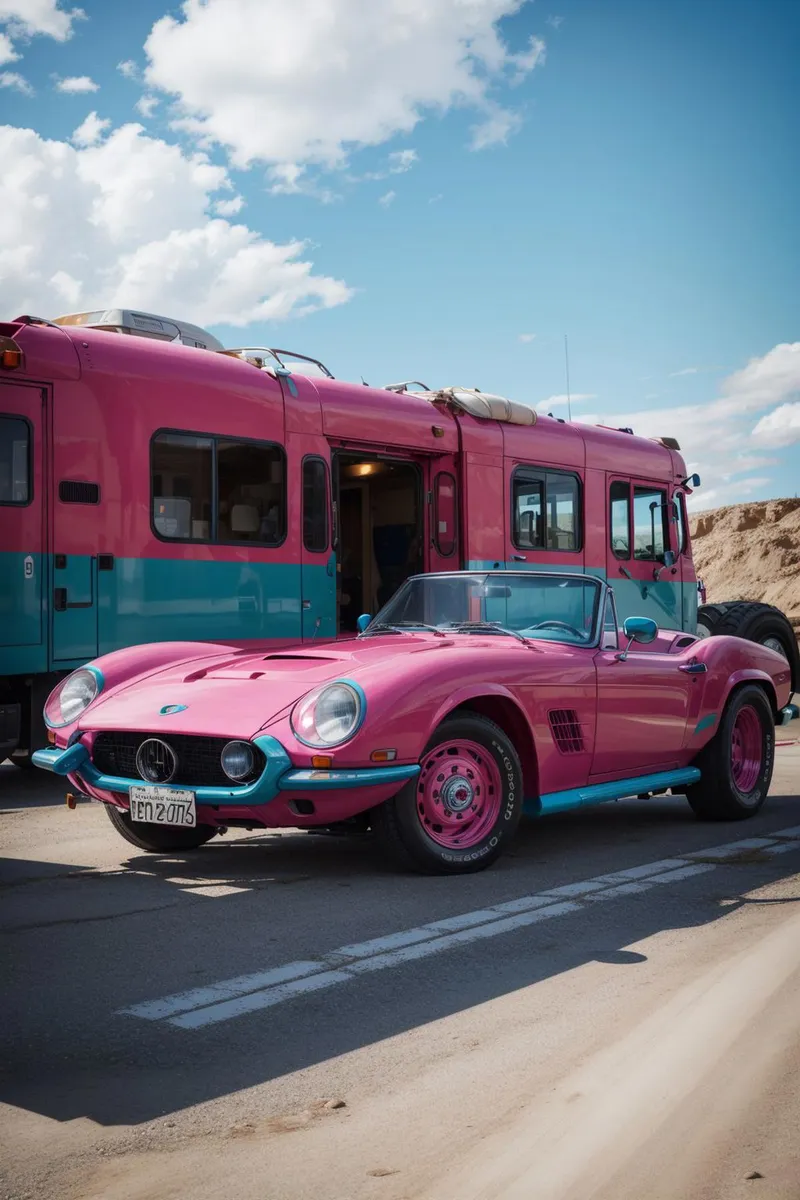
column 640, row 629
column 363, row 621
column 695, row 481
column 669, row 558
column 637, row 629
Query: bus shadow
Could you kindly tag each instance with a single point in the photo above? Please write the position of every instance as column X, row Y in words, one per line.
column 117, row 1069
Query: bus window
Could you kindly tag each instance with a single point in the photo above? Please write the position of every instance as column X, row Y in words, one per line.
column 251, row 492
column 315, row 505
column 649, row 511
column 527, row 494
column 14, row 461
column 182, row 482
column 620, row 523
column 444, row 514
column 545, row 510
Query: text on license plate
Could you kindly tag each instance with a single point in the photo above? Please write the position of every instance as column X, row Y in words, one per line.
column 163, row 806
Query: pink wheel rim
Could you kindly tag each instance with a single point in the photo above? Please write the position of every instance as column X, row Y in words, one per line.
column 746, row 749
column 459, row 794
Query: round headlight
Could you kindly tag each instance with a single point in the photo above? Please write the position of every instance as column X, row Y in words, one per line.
column 72, row 696
column 329, row 716
column 238, row 761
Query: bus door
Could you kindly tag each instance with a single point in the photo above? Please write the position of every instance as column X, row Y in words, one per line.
column 442, row 534
column 641, row 558
column 317, row 555
column 23, row 563
column 76, row 528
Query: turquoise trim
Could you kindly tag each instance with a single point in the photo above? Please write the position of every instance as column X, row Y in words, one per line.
column 170, row 709
column 277, row 776
column 705, row 723
column 312, row 781
column 598, row 793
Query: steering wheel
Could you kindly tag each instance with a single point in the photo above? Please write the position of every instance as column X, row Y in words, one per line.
column 560, row 625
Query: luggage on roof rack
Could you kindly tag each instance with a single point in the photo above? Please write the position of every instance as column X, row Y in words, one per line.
column 484, row 405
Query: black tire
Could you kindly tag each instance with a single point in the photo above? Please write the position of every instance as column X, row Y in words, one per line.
column 709, row 616
column 400, row 828
column 158, row 839
column 717, row 796
column 22, row 759
column 761, row 623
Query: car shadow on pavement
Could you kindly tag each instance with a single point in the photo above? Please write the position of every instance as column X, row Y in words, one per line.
column 73, row 1054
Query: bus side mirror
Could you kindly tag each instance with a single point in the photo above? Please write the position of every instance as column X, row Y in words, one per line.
column 669, row 558
column 363, row 621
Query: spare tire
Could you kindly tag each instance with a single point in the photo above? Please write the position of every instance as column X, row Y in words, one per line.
column 761, row 623
column 708, row 617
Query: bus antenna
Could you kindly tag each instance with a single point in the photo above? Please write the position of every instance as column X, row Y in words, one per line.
column 566, row 365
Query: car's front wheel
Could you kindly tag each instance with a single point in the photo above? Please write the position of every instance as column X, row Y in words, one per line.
column 463, row 808
column 736, row 765
column 158, row 839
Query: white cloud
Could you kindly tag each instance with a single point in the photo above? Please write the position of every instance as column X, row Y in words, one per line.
column 334, row 77
column 563, row 400
column 435, row 199
column 146, row 106
column 555, row 22
column 90, row 131
column 229, row 208
column 533, row 57
column 77, row 85
column 717, row 438
column 7, row 52
column 29, row 17
column 402, row 160
column 140, row 234
column 12, row 79
column 527, row 337
column 290, row 179
column 496, row 129
column 387, row 199
column 781, row 427
column 685, row 371
column 128, row 69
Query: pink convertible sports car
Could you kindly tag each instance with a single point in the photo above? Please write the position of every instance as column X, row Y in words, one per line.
column 471, row 697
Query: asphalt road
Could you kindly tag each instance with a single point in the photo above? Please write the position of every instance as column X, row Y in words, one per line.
column 612, row 1011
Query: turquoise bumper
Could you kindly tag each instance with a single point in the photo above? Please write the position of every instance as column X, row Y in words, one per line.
column 278, row 776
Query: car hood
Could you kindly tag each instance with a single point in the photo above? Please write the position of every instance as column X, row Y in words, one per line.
column 236, row 695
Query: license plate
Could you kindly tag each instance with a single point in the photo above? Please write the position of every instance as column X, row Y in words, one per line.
column 163, row 806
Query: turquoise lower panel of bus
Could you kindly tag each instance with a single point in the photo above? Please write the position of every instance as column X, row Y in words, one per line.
column 23, row 644
column 671, row 605
column 157, row 600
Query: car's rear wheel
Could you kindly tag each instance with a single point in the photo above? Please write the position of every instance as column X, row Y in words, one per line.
column 463, row 808
column 737, row 763
column 158, row 839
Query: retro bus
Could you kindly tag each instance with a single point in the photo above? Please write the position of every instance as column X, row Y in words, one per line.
column 157, row 486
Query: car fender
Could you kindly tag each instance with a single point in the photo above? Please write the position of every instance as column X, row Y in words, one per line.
column 716, row 696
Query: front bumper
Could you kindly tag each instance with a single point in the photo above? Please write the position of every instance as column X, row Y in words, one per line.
column 278, row 776
column 790, row 712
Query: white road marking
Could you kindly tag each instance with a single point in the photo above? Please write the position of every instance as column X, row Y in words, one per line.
column 198, row 1007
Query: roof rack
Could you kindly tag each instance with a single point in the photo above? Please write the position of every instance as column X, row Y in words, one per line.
column 267, row 358
column 483, row 405
column 401, row 388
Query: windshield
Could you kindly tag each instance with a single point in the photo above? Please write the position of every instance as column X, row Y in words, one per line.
column 557, row 608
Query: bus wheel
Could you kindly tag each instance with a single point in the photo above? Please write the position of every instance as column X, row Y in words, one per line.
column 765, row 624
column 736, row 765
column 462, row 810
column 158, row 839
column 708, row 617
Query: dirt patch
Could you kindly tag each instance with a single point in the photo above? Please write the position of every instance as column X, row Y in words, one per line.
column 751, row 552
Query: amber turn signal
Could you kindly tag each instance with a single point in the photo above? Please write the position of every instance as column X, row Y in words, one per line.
column 11, row 359
column 321, row 761
column 383, row 755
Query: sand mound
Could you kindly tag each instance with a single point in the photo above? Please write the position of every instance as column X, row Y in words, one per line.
column 751, row 552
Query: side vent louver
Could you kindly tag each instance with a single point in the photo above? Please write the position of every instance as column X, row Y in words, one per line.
column 73, row 491
column 567, row 732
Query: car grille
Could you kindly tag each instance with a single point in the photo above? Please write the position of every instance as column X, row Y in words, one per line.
column 198, row 757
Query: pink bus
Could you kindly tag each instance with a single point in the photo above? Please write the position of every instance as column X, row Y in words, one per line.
column 155, row 486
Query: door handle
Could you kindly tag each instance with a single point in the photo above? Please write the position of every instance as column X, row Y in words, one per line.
column 693, row 668
column 518, row 558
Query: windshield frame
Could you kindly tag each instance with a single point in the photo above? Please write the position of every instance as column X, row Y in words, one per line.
column 484, row 577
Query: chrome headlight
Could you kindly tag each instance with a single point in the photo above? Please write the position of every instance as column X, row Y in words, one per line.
column 72, row 697
column 329, row 716
column 238, row 761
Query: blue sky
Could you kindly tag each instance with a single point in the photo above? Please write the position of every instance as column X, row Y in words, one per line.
column 451, row 191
